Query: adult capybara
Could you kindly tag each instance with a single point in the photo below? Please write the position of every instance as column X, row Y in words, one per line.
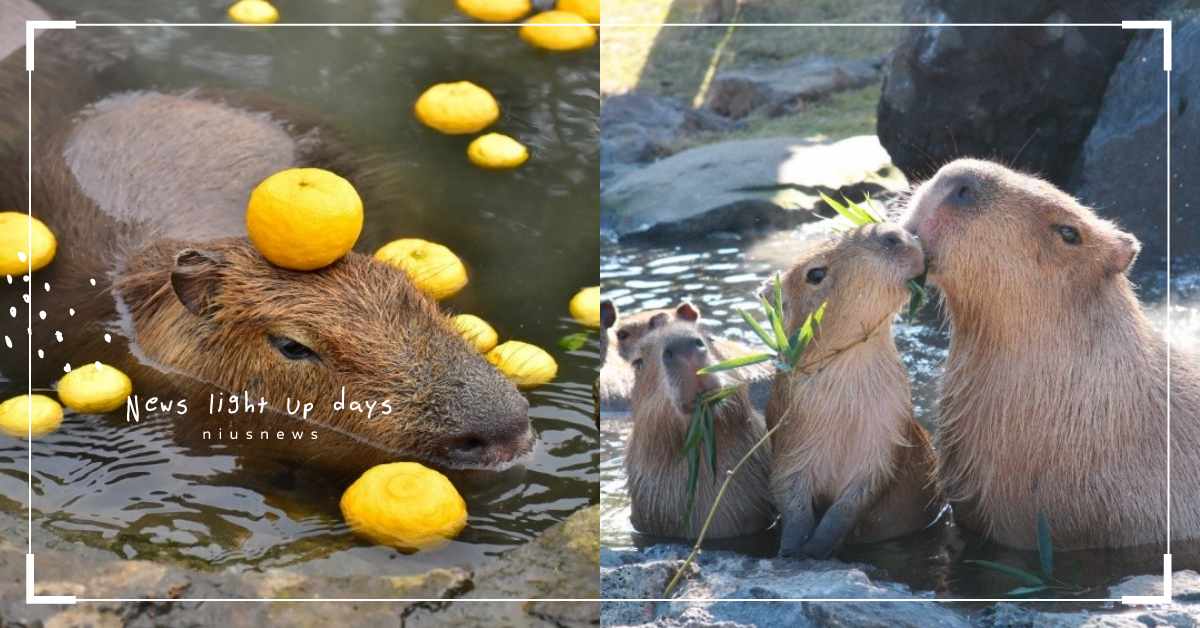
column 850, row 464
column 618, row 347
column 664, row 397
column 1054, row 398
column 146, row 193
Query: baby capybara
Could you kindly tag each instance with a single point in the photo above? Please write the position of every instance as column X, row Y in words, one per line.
column 619, row 344
column 665, row 392
column 1054, row 397
column 146, row 193
column 850, row 464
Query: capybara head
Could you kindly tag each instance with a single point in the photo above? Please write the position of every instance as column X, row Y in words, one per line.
column 357, row 330
column 861, row 276
column 668, row 356
column 993, row 235
column 627, row 330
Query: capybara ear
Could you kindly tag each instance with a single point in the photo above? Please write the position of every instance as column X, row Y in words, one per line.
column 608, row 314
column 658, row 320
column 196, row 278
column 1124, row 251
column 688, row 312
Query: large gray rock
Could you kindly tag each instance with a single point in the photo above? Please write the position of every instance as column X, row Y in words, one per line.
column 1121, row 170
column 1026, row 96
column 745, row 185
column 783, row 88
column 637, row 128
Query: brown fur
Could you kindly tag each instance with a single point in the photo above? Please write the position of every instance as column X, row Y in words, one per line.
column 657, row 470
column 1054, row 394
column 850, row 463
column 146, row 193
column 619, row 345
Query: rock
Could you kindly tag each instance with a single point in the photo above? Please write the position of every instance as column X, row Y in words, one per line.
column 84, row 617
column 638, row 128
column 1121, row 171
column 1025, row 96
column 562, row 562
column 744, row 186
column 730, row 575
column 784, row 88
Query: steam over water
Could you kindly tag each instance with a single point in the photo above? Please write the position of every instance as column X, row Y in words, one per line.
column 526, row 237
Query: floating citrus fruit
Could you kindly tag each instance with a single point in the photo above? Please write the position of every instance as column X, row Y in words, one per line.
column 496, row 152
column 525, row 364
column 15, row 229
column 17, row 420
column 253, row 12
column 433, row 268
column 586, row 9
column 495, row 10
column 585, row 306
column 304, row 218
column 405, row 505
column 476, row 331
column 457, row 108
column 570, row 32
column 94, row 388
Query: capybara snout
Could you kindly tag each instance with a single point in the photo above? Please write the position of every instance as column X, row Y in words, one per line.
column 682, row 351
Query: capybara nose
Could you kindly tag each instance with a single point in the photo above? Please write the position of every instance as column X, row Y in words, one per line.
column 688, row 350
column 497, row 438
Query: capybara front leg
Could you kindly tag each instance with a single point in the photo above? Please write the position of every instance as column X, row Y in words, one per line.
column 798, row 521
column 838, row 522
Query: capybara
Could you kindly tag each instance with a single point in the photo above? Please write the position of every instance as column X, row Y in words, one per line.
column 1054, row 396
column 665, row 392
column 146, row 193
column 618, row 347
column 849, row 462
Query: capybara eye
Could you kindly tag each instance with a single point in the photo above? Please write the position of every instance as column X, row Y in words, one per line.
column 637, row 364
column 622, row 335
column 815, row 275
column 291, row 349
column 668, row 354
column 1070, row 235
column 699, row 344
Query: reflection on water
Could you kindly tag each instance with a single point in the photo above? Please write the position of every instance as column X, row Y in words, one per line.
column 722, row 273
column 528, row 237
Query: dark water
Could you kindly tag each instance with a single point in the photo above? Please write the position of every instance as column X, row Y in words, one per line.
column 528, row 237
column 721, row 274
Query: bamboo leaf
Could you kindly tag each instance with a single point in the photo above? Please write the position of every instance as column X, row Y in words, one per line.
column 916, row 287
column 710, row 439
column 714, row 396
column 734, row 363
column 867, row 212
column 843, row 211
column 1025, row 577
column 758, row 329
column 1045, row 546
column 1019, row 591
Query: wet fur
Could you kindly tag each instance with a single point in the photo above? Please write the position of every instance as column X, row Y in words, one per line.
column 124, row 196
column 657, row 470
column 850, row 463
column 1054, row 392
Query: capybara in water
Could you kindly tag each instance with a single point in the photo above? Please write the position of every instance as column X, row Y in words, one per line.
column 1054, row 396
column 849, row 462
column 664, row 397
column 146, row 193
column 618, row 347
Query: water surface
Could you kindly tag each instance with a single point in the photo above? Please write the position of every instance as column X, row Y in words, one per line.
column 528, row 237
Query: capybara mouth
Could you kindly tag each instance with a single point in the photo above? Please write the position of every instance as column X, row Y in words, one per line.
column 473, row 452
column 704, row 384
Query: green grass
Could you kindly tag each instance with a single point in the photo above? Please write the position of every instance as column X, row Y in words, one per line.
column 679, row 61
